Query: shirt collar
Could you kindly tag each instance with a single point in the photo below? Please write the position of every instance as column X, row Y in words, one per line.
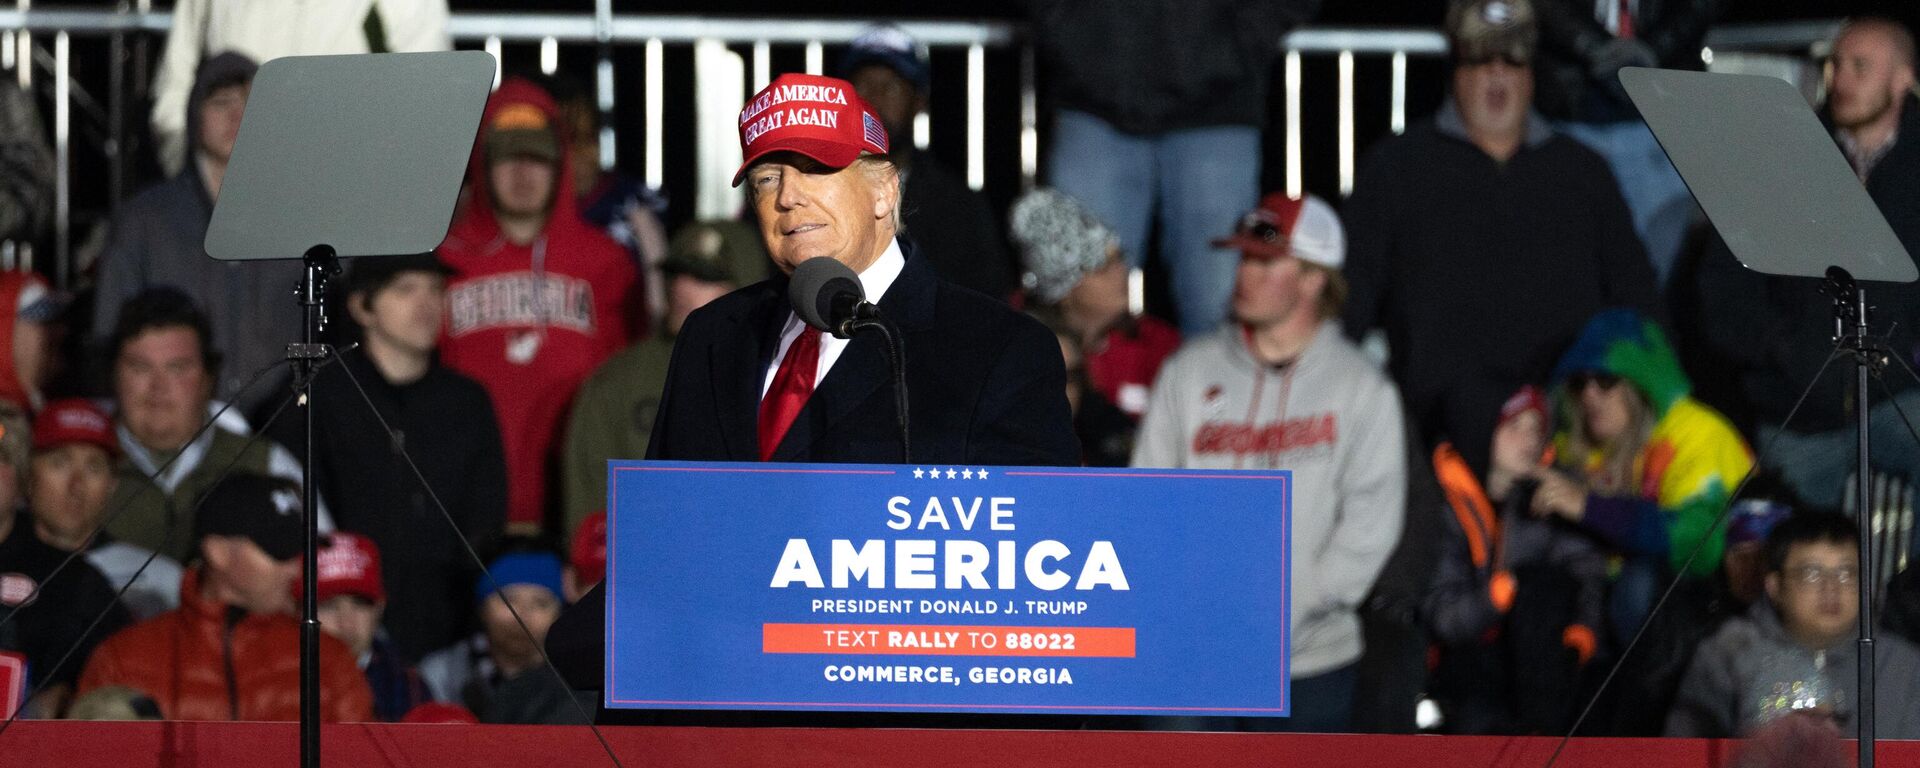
column 879, row 276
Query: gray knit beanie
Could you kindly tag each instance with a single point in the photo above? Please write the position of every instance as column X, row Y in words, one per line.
column 1060, row 241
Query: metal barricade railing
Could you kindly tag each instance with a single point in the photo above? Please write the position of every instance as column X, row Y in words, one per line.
column 733, row 57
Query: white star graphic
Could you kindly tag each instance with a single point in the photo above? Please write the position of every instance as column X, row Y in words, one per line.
column 983, row 474
column 967, row 473
column 950, row 474
column 919, row 473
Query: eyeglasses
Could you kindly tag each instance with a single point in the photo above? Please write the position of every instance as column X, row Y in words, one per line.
column 1814, row 575
column 1578, row 382
column 1257, row 227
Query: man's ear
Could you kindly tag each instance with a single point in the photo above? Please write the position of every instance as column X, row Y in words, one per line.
column 357, row 308
column 1773, row 588
column 886, row 195
column 215, row 552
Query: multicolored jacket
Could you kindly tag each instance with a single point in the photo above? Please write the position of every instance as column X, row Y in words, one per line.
column 1683, row 474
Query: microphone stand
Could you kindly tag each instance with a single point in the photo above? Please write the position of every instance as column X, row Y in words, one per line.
column 1850, row 316
column 321, row 264
column 865, row 316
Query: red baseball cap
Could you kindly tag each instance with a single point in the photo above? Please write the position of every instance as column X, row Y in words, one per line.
column 589, row 554
column 349, row 564
column 820, row 117
column 74, row 420
column 1527, row 399
column 1303, row 227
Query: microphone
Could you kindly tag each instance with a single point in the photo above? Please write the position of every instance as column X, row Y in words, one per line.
column 827, row 295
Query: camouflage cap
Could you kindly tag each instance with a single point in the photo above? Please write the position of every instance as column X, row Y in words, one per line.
column 1478, row 30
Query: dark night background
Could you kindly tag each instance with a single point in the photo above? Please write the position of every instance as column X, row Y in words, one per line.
column 92, row 195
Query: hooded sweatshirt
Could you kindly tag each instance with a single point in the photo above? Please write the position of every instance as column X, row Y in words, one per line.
column 1684, row 472
column 1331, row 418
column 530, row 322
column 157, row 239
column 1750, row 671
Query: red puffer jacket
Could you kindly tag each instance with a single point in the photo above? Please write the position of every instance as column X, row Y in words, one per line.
column 205, row 661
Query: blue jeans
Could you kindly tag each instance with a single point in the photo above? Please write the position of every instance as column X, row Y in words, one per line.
column 1198, row 181
column 1322, row 703
column 1661, row 206
column 1816, row 465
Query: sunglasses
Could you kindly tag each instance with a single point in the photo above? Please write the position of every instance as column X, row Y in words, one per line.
column 1257, row 227
column 1579, row 381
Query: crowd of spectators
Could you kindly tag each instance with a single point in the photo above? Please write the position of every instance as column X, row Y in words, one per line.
column 1471, row 365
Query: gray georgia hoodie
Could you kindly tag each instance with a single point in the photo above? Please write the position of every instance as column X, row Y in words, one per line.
column 1332, row 418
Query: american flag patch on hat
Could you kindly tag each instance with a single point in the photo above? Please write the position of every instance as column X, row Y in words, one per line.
column 873, row 131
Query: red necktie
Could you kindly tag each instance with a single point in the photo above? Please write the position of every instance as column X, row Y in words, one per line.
column 1626, row 20
column 791, row 386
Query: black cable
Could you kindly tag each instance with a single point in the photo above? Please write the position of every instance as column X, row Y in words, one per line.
column 1680, row 573
column 127, row 502
column 257, row 435
column 393, row 439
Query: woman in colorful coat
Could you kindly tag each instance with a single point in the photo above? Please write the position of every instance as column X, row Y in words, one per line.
column 1641, row 465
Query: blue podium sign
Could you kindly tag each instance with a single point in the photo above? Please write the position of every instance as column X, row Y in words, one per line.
column 947, row 589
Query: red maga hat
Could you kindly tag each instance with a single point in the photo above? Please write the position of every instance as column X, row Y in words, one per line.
column 349, row 564
column 74, row 420
column 820, row 117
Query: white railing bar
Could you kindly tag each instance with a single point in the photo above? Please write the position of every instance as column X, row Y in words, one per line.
column 638, row 28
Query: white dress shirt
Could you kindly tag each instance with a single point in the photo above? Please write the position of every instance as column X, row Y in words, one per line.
column 875, row 280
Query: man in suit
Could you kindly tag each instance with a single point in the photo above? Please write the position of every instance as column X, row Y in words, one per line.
column 749, row 381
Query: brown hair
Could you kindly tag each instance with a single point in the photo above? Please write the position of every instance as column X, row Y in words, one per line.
column 1616, row 475
column 1333, row 291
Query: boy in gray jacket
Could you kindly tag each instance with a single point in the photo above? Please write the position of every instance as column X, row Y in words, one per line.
column 1794, row 651
column 1283, row 389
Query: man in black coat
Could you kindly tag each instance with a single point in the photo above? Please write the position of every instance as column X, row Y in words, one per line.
column 443, row 420
column 750, row 381
column 1774, row 333
column 1482, row 240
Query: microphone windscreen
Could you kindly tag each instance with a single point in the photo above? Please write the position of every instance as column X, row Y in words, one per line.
column 814, row 285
